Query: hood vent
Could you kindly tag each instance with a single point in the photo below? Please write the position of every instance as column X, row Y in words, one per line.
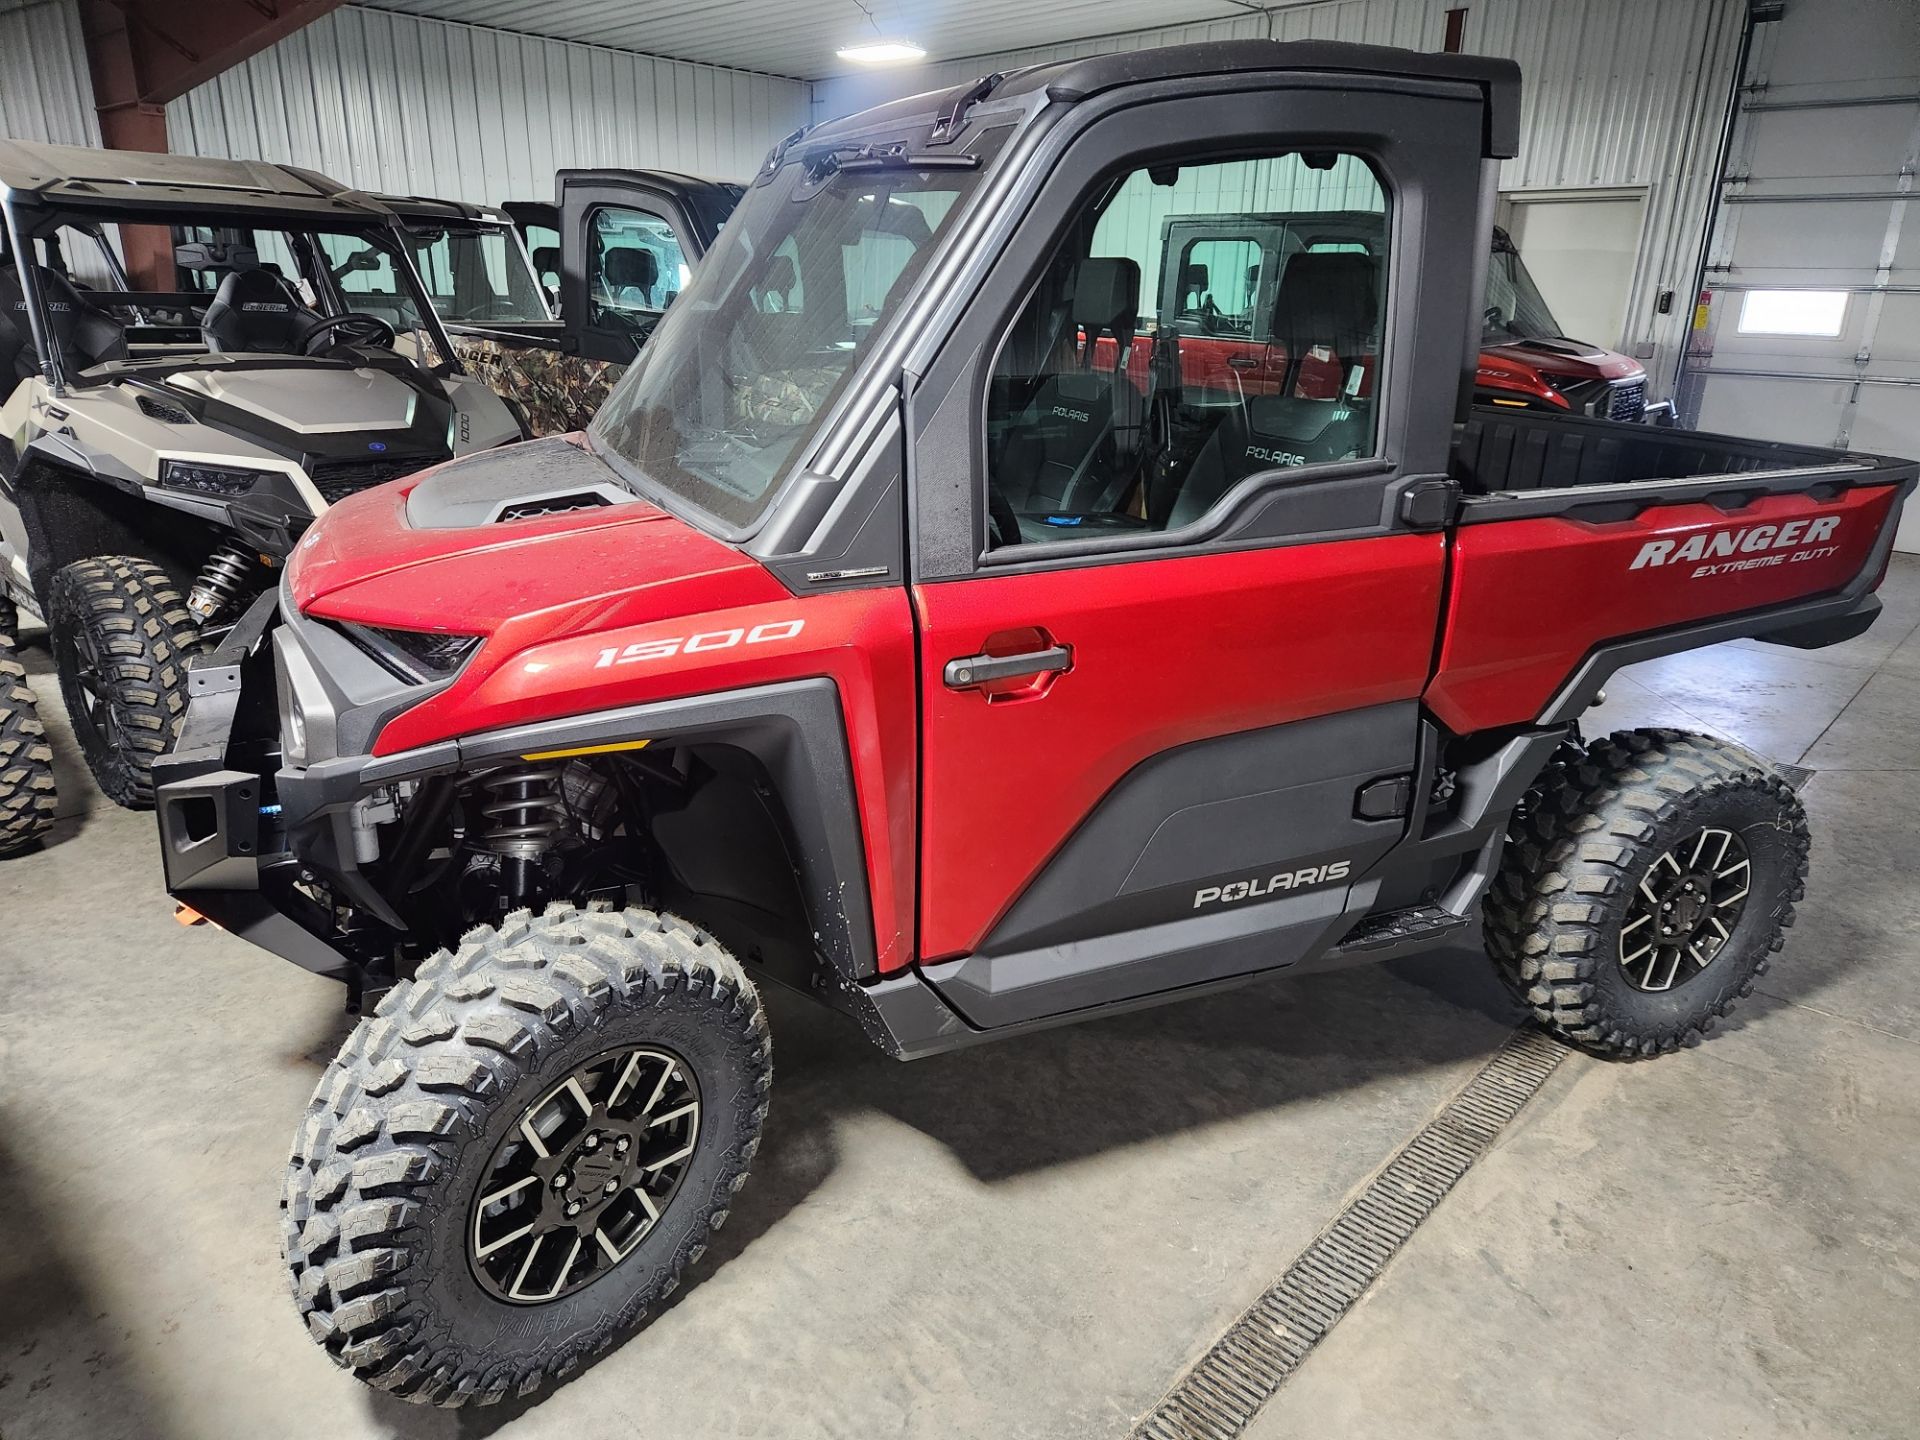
column 161, row 410
column 550, row 505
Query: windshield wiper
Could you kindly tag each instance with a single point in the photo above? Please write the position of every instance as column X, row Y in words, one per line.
column 862, row 159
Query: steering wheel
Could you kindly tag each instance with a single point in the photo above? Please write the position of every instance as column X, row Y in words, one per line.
column 359, row 330
column 1006, row 524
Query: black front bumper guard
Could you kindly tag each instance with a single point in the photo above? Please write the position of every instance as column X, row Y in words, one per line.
column 210, row 815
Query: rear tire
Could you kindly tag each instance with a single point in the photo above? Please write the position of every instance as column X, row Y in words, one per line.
column 1647, row 883
column 396, row 1261
column 27, row 798
column 122, row 639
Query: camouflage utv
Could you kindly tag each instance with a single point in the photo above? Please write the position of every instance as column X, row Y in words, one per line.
column 609, row 256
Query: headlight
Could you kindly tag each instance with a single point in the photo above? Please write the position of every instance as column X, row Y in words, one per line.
column 208, row 479
column 422, row 656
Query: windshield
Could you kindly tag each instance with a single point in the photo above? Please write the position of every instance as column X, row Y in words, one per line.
column 780, row 311
column 1515, row 308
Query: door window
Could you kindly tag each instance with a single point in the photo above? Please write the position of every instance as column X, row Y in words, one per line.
column 635, row 264
column 1109, row 411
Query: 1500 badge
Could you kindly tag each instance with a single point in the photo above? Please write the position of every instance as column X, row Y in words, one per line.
column 698, row 644
column 1235, row 891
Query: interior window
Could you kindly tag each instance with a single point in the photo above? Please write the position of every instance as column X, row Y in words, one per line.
column 636, row 265
column 543, row 248
column 1110, row 409
column 364, row 275
column 1218, row 281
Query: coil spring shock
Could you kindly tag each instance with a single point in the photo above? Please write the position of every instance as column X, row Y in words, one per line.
column 223, row 579
column 522, row 811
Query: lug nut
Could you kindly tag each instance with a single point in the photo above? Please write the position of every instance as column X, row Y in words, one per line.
column 610, row 1187
column 573, row 1208
column 621, row 1144
column 561, row 1181
column 593, row 1141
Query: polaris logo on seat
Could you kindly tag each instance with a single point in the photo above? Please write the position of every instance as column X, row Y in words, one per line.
column 1274, row 457
column 1759, row 542
column 1078, row 416
column 1238, row 890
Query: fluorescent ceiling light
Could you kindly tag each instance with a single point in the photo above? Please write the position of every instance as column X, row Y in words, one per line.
column 881, row 52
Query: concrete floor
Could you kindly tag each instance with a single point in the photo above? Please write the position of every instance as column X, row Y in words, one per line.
column 1035, row 1239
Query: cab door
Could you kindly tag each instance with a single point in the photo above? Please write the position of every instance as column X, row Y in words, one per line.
column 1169, row 722
column 627, row 248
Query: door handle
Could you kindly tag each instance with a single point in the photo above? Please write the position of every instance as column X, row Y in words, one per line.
column 1242, row 362
column 970, row 671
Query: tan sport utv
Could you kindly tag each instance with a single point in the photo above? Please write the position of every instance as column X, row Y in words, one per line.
column 162, row 449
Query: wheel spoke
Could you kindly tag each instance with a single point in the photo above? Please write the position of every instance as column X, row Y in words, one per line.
column 513, row 1290
column 498, row 1195
column 481, row 1252
column 533, row 1138
column 674, row 1114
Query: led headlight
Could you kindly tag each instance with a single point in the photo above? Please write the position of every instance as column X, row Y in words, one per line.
column 208, row 479
column 422, row 656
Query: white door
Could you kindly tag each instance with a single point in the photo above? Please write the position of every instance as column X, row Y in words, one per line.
column 1581, row 252
column 1812, row 328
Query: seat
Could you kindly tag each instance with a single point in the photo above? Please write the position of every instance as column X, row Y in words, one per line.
column 1326, row 315
column 1075, row 443
column 85, row 334
column 546, row 261
column 255, row 310
column 629, row 276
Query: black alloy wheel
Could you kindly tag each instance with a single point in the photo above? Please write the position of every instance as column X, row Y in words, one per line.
column 584, row 1176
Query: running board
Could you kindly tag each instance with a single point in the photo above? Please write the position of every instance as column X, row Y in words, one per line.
column 1401, row 932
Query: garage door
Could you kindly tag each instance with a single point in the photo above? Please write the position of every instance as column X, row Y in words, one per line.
column 1811, row 326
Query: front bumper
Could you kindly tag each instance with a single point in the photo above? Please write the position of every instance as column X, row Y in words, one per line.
column 220, row 842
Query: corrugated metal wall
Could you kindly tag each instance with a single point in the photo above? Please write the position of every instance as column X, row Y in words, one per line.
column 1616, row 93
column 44, row 90
column 427, row 107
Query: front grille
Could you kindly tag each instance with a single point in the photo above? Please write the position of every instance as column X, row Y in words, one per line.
column 1628, row 401
column 337, row 479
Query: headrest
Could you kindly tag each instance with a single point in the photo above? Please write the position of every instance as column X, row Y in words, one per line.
column 780, row 276
column 627, row 266
column 1194, row 277
column 1327, row 296
column 1106, row 294
column 546, row 259
column 258, row 292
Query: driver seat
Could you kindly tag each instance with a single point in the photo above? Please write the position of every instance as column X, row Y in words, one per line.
column 630, row 276
column 256, row 310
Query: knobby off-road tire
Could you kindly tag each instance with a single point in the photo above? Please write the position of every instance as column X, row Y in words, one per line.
column 122, row 638
column 1586, row 859
column 404, row 1127
column 26, row 760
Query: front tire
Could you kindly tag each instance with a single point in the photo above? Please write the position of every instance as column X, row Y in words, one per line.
column 27, row 799
column 520, row 1082
column 122, row 639
column 1647, row 883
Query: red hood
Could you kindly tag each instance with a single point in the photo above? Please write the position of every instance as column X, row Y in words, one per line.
column 365, row 561
column 1567, row 359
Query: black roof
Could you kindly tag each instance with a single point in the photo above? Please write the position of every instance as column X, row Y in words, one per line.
column 1078, row 79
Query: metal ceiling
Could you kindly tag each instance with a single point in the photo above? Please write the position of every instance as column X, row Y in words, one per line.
column 797, row 38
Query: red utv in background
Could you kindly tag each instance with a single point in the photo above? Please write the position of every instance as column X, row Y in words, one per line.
column 1224, row 289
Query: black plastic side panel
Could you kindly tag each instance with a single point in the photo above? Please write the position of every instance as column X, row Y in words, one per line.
column 1231, row 854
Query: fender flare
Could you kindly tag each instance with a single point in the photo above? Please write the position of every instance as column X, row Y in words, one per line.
column 794, row 728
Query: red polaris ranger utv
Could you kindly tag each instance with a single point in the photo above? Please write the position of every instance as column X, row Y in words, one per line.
column 880, row 639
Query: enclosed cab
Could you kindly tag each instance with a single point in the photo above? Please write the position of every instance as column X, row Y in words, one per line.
column 888, row 637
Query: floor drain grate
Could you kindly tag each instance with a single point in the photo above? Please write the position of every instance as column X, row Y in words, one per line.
column 1225, row 1389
